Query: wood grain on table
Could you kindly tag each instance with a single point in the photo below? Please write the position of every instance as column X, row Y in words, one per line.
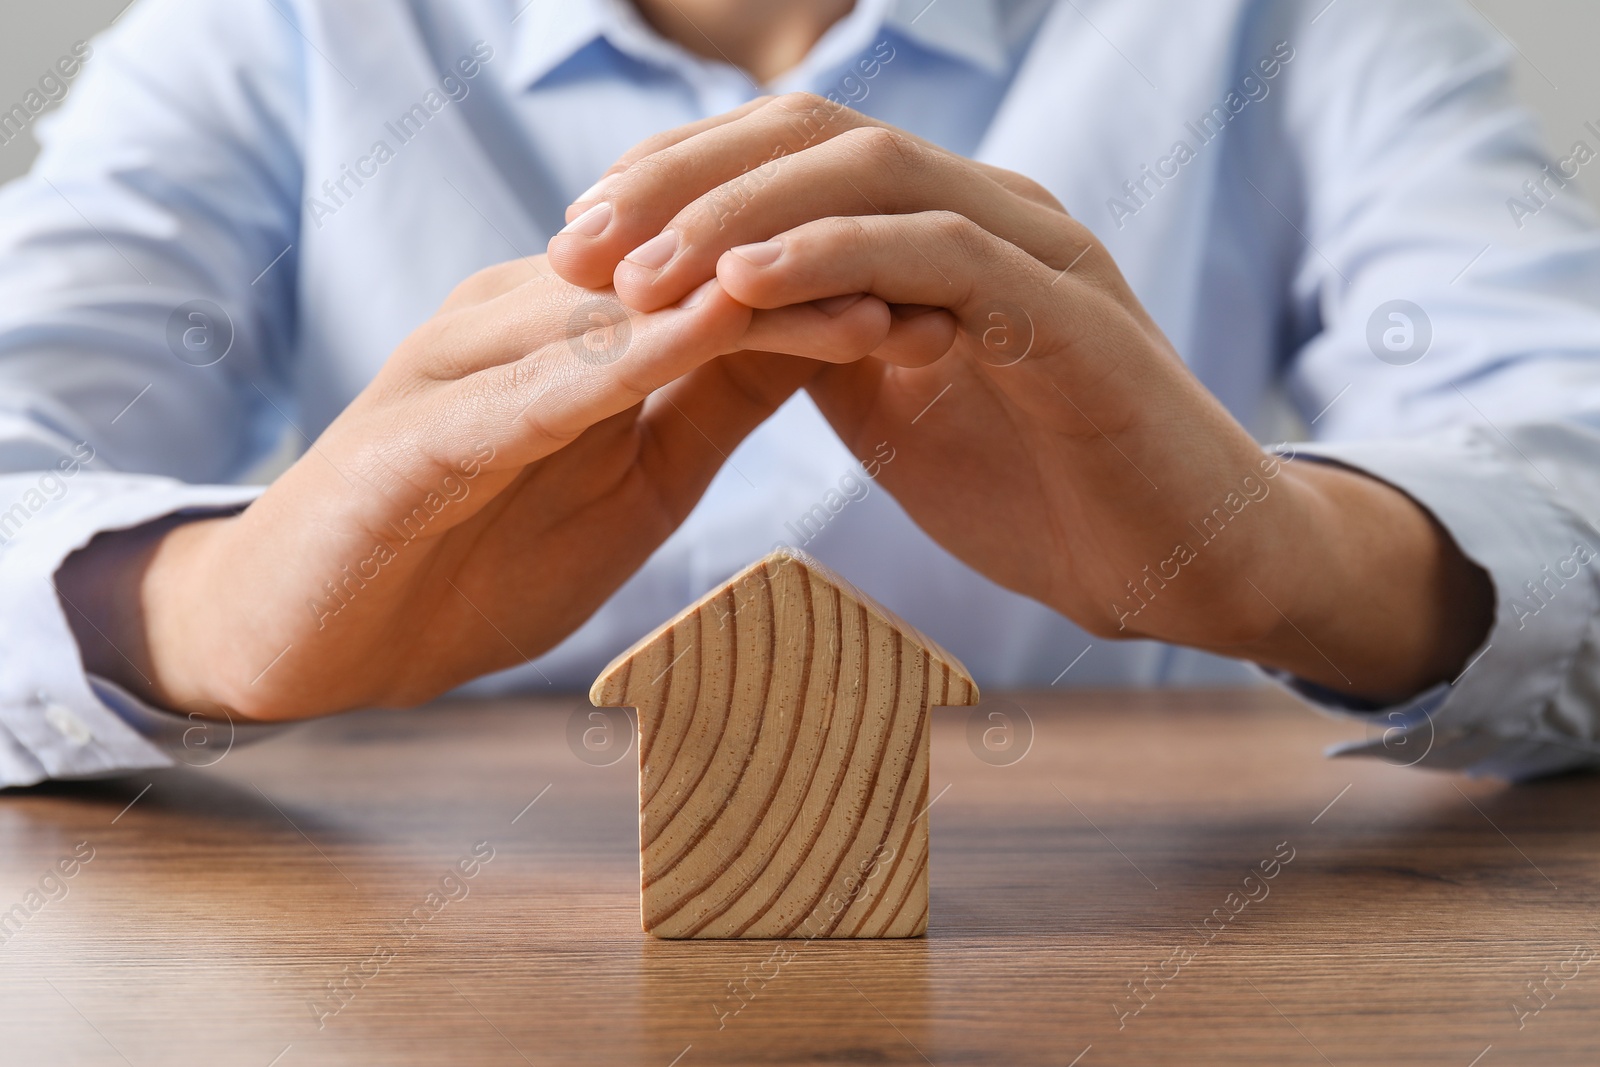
column 1162, row 878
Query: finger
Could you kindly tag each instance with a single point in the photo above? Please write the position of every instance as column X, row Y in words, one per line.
column 866, row 171
column 1012, row 310
column 635, row 203
column 827, row 257
column 920, row 336
column 802, row 103
column 485, row 330
column 853, row 327
column 603, row 186
column 836, row 331
column 640, row 201
column 529, row 407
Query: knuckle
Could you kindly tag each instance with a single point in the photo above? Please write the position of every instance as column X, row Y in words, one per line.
column 640, row 184
column 1029, row 189
column 628, row 379
column 849, row 229
column 959, row 231
column 655, row 166
column 522, row 376
column 474, row 289
column 797, row 103
column 649, row 180
column 491, row 282
column 656, row 142
column 497, row 274
column 884, row 145
column 815, row 117
column 465, row 292
column 800, row 100
column 530, row 400
column 1078, row 251
column 425, row 352
column 717, row 207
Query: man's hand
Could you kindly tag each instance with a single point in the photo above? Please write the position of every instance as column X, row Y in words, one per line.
column 1050, row 435
column 514, row 462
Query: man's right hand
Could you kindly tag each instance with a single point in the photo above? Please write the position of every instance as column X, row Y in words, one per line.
column 513, row 463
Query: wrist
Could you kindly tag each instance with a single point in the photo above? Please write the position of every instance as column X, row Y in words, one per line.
column 177, row 605
column 1371, row 595
column 127, row 599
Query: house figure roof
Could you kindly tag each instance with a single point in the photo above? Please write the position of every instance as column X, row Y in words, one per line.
column 783, row 758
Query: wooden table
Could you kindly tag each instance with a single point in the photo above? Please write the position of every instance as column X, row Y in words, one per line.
column 223, row 904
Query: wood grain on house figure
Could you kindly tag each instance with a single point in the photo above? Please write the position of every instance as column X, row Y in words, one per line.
column 783, row 759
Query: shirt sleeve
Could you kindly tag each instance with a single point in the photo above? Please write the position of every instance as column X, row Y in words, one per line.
column 1515, row 501
column 1445, row 316
column 56, row 721
column 1447, row 272
column 147, row 307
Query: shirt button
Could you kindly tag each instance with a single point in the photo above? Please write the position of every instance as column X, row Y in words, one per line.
column 68, row 724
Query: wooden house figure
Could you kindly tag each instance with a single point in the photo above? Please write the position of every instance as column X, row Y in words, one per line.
column 783, row 759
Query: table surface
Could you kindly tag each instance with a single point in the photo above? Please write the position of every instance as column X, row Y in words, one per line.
column 1104, row 899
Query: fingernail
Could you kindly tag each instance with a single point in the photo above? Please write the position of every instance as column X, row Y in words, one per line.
column 591, row 223
column 764, row 254
column 656, row 252
column 834, row 306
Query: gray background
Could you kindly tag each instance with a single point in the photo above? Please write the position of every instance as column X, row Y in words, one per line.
column 1557, row 73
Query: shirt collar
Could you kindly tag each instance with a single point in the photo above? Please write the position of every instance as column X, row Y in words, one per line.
column 966, row 29
column 549, row 32
column 546, row 33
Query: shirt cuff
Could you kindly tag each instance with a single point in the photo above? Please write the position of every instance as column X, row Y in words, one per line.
column 55, row 720
column 1493, row 719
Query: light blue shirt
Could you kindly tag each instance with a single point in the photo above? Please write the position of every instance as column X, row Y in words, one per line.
column 1334, row 211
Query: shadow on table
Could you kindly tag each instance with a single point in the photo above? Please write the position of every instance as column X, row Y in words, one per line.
column 180, row 793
